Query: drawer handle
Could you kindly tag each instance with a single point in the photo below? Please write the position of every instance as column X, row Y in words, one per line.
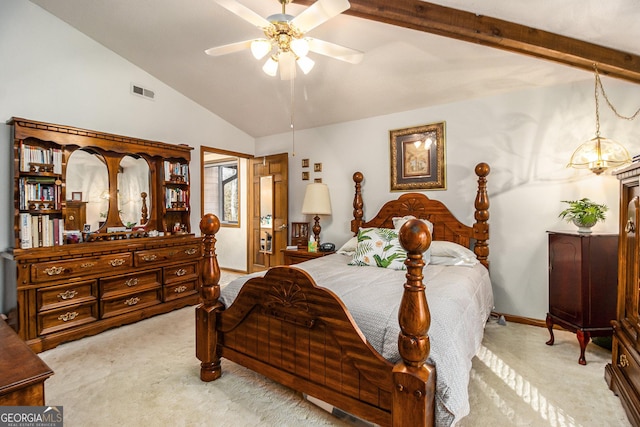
column 623, row 361
column 131, row 282
column 68, row 294
column 132, row 301
column 149, row 258
column 630, row 227
column 180, row 289
column 70, row 315
column 54, row 271
column 190, row 251
column 181, row 272
column 87, row 264
column 116, row 262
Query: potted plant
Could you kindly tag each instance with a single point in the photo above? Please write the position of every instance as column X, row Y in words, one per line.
column 583, row 213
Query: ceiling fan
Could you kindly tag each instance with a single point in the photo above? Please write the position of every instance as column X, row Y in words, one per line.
column 285, row 37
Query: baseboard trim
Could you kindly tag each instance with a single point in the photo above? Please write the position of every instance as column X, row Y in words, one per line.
column 233, row 270
column 523, row 320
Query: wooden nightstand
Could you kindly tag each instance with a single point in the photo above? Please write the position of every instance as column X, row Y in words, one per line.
column 583, row 270
column 300, row 255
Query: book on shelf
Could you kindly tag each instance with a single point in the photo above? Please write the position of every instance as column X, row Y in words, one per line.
column 40, row 231
column 35, row 154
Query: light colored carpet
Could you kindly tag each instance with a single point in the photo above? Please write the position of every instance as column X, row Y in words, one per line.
column 147, row 374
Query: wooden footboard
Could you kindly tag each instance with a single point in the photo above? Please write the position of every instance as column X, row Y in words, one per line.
column 287, row 328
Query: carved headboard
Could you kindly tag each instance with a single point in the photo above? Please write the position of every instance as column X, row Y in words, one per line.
column 445, row 225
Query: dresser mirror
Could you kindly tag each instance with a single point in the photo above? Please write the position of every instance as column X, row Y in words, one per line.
column 87, row 181
column 133, row 191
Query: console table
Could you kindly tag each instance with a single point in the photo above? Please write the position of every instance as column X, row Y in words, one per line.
column 22, row 372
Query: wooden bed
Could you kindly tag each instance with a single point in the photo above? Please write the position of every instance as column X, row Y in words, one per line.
column 285, row 327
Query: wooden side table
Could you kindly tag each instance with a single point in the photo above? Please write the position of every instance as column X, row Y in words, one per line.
column 300, row 255
column 583, row 279
column 22, row 372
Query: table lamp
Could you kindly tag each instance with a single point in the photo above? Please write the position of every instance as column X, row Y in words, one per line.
column 316, row 202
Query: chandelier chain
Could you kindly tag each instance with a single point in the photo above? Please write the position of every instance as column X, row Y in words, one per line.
column 604, row 94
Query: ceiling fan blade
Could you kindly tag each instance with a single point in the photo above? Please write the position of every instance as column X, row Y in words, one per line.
column 318, row 13
column 229, row 48
column 335, row 51
column 287, row 66
column 244, row 13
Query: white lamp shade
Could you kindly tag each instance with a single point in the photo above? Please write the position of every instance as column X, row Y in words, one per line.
column 306, row 64
column 260, row 48
column 270, row 67
column 316, row 200
column 300, row 47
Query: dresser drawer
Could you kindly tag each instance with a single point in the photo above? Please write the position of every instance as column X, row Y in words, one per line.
column 131, row 302
column 67, row 317
column 129, row 283
column 180, row 273
column 629, row 366
column 56, row 270
column 168, row 255
column 54, row 297
column 180, row 290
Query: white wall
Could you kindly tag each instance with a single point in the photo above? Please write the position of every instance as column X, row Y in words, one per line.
column 526, row 137
column 50, row 72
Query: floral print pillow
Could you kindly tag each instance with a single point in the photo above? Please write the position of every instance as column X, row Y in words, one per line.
column 379, row 247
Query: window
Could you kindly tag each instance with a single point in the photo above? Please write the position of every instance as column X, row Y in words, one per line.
column 221, row 195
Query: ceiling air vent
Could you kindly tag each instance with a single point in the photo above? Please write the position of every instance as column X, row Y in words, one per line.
column 140, row 91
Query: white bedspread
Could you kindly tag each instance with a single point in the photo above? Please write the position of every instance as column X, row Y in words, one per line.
column 460, row 301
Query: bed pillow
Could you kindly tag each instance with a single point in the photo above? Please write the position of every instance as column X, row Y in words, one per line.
column 379, row 247
column 399, row 222
column 349, row 248
column 449, row 253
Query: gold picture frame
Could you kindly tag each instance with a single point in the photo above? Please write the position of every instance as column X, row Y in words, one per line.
column 305, row 176
column 418, row 158
column 305, row 163
column 317, row 167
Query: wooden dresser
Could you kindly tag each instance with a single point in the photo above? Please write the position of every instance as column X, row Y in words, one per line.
column 78, row 266
column 623, row 374
column 583, row 270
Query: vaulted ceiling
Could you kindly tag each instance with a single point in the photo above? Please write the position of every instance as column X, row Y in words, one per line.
column 416, row 54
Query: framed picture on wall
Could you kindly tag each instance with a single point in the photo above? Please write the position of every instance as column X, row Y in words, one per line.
column 418, row 158
column 76, row 196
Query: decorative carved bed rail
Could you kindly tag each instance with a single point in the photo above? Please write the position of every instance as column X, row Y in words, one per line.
column 410, row 384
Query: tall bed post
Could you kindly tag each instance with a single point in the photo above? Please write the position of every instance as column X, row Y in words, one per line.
column 356, row 222
column 481, row 226
column 207, row 311
column 414, row 381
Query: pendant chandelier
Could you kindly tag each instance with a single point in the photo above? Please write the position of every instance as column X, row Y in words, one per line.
column 600, row 153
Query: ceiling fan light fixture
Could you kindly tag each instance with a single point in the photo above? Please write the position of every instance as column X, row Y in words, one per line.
column 270, row 67
column 306, row 64
column 260, row 48
column 300, row 47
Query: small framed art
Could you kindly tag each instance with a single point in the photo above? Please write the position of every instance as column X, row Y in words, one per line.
column 418, row 158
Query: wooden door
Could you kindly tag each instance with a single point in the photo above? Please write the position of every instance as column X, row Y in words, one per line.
column 277, row 166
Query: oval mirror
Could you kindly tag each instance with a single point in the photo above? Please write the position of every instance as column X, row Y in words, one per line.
column 133, row 191
column 87, row 191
